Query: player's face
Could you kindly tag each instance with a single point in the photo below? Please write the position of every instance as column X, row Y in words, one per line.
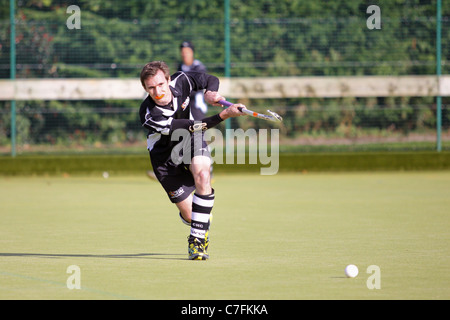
column 158, row 89
column 187, row 55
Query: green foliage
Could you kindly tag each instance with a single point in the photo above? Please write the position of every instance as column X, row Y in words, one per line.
column 285, row 38
column 267, row 39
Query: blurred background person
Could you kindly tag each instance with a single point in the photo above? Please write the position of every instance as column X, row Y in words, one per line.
column 189, row 64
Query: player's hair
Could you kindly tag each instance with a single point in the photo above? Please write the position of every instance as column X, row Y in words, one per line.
column 152, row 68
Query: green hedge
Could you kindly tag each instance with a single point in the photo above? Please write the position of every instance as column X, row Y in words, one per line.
column 367, row 161
column 73, row 164
column 312, row 162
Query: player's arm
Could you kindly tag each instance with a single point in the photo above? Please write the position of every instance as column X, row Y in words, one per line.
column 167, row 126
column 207, row 82
column 208, row 122
column 202, row 81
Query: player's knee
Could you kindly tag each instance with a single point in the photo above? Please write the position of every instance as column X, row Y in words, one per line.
column 202, row 182
column 202, row 178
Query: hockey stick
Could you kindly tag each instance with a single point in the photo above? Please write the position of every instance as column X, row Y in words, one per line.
column 272, row 117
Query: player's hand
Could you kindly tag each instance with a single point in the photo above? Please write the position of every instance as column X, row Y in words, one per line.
column 213, row 97
column 233, row 111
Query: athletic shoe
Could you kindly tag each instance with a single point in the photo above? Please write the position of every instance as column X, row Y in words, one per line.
column 196, row 249
column 206, row 241
column 206, row 234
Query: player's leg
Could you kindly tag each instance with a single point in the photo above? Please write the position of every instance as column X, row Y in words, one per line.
column 185, row 209
column 179, row 184
column 202, row 204
column 185, row 212
column 201, row 169
column 203, row 198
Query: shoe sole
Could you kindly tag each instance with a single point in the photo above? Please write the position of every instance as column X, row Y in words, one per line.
column 199, row 257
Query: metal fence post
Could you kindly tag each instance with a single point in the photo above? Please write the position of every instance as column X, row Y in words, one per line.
column 438, row 73
column 227, row 59
column 12, row 7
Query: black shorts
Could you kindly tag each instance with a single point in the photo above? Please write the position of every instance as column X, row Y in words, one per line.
column 174, row 174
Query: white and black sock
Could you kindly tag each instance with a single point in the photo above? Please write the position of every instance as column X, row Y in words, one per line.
column 201, row 211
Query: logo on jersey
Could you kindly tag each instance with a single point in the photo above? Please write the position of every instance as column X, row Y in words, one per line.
column 185, row 103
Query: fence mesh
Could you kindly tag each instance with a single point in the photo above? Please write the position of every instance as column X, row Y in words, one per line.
column 289, row 38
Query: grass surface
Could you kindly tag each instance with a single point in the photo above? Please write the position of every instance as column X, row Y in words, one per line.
column 273, row 237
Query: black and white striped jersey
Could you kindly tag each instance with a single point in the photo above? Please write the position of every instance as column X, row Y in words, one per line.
column 197, row 102
column 161, row 121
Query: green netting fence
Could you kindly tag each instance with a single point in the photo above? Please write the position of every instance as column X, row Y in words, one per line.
column 266, row 39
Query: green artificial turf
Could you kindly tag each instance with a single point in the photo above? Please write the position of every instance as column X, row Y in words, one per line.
column 287, row 236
